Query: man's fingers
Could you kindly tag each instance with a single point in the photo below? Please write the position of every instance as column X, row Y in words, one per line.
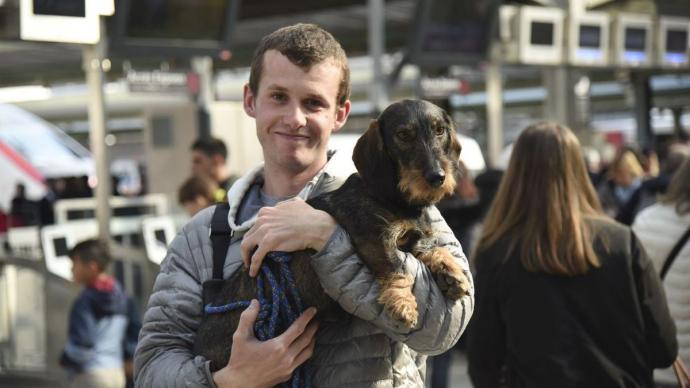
column 245, row 327
column 247, row 247
column 305, row 354
column 298, row 326
column 305, row 339
column 256, row 259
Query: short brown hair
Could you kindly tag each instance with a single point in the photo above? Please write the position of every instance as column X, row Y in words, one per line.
column 197, row 186
column 91, row 250
column 304, row 45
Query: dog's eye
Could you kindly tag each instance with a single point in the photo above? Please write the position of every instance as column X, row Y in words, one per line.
column 440, row 130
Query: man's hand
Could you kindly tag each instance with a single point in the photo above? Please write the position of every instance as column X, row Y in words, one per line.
column 289, row 226
column 256, row 364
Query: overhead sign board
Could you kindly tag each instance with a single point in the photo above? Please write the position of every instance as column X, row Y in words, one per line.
column 68, row 21
column 673, row 46
column 632, row 40
column 588, row 39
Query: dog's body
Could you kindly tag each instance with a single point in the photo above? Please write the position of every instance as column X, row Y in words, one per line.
column 406, row 161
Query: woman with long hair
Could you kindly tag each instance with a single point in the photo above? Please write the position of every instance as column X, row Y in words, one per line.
column 660, row 227
column 565, row 297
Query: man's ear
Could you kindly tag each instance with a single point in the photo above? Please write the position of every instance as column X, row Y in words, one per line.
column 249, row 101
column 341, row 114
column 373, row 163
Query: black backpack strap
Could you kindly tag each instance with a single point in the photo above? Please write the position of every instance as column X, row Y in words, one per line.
column 220, row 238
column 674, row 252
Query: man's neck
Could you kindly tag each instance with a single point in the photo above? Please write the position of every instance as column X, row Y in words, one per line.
column 281, row 183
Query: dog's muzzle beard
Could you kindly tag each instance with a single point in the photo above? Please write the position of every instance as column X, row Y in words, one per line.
column 417, row 189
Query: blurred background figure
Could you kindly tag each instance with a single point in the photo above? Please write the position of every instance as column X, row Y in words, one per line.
column 625, row 175
column 100, row 340
column 209, row 157
column 197, row 193
column 556, row 280
column 23, row 212
column 659, row 228
column 654, row 186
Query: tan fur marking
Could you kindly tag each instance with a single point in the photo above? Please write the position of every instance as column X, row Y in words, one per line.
column 449, row 274
column 397, row 233
column 397, row 298
column 417, row 189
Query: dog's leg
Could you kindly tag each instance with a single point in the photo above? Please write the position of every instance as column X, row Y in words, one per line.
column 449, row 276
column 397, row 298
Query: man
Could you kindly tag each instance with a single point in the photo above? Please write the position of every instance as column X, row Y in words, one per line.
column 298, row 94
column 208, row 159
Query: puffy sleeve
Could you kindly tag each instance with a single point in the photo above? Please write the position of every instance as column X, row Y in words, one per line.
column 349, row 281
column 659, row 327
column 164, row 357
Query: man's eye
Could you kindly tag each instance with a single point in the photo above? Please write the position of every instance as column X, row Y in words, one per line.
column 313, row 104
column 279, row 97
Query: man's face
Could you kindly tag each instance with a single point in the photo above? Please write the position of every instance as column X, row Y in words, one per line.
column 202, row 164
column 295, row 112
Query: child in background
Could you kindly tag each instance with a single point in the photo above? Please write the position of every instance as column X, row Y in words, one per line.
column 198, row 193
column 94, row 355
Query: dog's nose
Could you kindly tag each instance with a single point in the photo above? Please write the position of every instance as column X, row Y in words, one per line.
column 435, row 178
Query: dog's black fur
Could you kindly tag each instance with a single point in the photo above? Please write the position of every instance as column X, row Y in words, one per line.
column 407, row 160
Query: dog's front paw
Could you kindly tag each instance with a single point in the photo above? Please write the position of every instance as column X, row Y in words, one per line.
column 450, row 278
column 454, row 285
column 397, row 298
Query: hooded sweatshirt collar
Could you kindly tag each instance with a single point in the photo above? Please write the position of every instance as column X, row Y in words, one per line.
column 339, row 165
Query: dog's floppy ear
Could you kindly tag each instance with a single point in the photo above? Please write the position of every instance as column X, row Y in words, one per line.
column 374, row 164
column 454, row 148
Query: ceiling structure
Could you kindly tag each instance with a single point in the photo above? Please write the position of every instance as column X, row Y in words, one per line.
column 24, row 62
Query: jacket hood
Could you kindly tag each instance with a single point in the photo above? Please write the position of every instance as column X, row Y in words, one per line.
column 338, row 167
column 106, row 297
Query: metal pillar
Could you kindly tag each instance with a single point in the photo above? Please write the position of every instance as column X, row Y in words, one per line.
column 93, row 64
column 378, row 93
column 559, row 95
column 203, row 66
column 494, row 107
column 643, row 105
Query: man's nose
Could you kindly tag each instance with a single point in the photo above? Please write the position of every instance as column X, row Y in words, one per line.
column 295, row 117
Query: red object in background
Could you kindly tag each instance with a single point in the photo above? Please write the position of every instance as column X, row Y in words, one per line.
column 464, row 87
column 615, row 138
column 193, row 83
column 4, row 222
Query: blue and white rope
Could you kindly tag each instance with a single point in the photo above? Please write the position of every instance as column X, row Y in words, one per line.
column 279, row 313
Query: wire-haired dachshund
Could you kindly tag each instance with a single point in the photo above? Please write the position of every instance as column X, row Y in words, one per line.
column 406, row 161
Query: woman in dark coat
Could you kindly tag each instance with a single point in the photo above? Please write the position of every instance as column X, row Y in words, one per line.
column 565, row 297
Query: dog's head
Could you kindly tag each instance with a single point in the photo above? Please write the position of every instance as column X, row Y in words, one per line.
column 410, row 153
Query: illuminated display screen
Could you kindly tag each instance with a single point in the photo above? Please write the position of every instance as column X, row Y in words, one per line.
column 456, row 28
column 590, row 36
column 676, row 41
column 73, row 8
column 635, row 39
column 172, row 19
column 541, row 33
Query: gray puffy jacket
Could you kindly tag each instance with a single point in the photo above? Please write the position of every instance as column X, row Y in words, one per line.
column 368, row 350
